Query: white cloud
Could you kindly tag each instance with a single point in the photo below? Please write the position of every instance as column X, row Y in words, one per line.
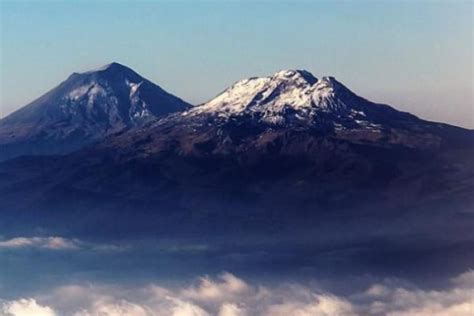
column 186, row 309
column 58, row 243
column 320, row 305
column 228, row 295
column 25, row 307
column 398, row 301
column 465, row 280
column 52, row 243
column 229, row 309
column 225, row 287
column 114, row 308
column 61, row 243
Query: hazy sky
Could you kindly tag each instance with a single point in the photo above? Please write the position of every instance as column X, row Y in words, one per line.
column 415, row 55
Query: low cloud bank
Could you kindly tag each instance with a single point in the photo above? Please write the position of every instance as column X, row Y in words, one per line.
column 228, row 295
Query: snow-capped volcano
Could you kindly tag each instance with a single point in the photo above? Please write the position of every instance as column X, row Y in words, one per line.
column 296, row 97
column 86, row 107
column 116, row 94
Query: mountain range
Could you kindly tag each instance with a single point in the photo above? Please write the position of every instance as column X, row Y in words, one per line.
column 108, row 152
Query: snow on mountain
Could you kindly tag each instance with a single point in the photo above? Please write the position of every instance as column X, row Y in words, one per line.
column 90, row 106
column 273, row 98
column 85, row 108
column 115, row 89
column 266, row 95
column 298, row 97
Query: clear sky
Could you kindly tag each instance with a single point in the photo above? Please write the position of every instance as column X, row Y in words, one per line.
column 414, row 55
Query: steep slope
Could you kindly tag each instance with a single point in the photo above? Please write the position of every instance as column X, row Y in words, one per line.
column 83, row 109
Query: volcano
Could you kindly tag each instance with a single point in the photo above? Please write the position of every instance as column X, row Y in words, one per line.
column 85, row 108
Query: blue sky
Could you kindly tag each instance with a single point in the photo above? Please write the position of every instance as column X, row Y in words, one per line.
column 415, row 55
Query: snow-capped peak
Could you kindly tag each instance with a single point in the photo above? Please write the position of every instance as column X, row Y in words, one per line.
column 114, row 96
column 286, row 87
column 302, row 76
column 270, row 97
column 324, row 93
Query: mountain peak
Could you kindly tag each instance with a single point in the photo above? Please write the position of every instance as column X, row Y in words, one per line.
column 111, row 69
column 87, row 107
column 272, row 96
column 295, row 74
column 296, row 97
column 114, row 66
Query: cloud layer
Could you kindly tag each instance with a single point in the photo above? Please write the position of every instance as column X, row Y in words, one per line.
column 228, row 295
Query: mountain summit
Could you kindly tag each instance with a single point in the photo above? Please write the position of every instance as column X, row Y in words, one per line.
column 85, row 108
column 298, row 97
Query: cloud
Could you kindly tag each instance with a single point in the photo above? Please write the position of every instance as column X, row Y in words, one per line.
column 52, row 243
column 229, row 309
column 320, row 305
column 228, row 295
column 465, row 280
column 25, row 307
column 61, row 243
column 114, row 308
column 398, row 301
column 183, row 308
column 227, row 286
column 58, row 243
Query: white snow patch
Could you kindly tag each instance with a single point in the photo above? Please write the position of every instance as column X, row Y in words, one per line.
column 91, row 91
column 133, row 86
column 78, row 92
column 354, row 112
